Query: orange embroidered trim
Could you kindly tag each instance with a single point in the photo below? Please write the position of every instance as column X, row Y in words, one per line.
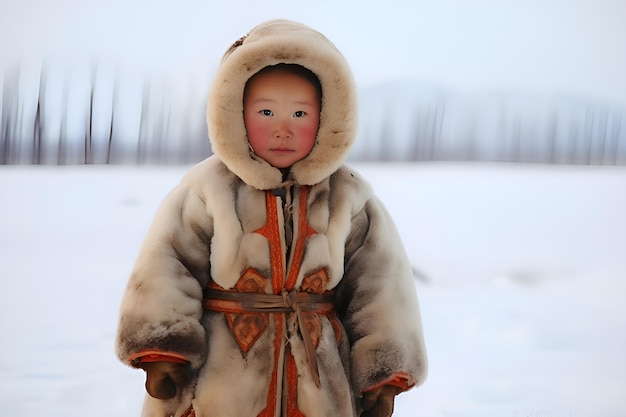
column 292, row 388
column 189, row 412
column 270, row 409
column 304, row 232
column 245, row 329
column 271, row 232
column 400, row 380
column 153, row 355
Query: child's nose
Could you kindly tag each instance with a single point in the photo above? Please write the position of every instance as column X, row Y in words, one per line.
column 283, row 131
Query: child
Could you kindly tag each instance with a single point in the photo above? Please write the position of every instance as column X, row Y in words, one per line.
column 272, row 282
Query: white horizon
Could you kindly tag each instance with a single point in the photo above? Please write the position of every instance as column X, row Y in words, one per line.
column 554, row 46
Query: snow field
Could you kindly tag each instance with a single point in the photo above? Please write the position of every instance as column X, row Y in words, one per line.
column 522, row 275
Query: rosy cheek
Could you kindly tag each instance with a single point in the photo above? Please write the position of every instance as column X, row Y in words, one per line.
column 255, row 130
column 310, row 130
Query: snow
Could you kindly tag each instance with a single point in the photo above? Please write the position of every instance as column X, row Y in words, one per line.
column 521, row 275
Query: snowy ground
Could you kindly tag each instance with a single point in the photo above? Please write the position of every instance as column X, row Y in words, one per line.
column 524, row 275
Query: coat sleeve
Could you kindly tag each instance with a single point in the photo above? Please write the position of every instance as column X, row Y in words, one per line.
column 377, row 304
column 162, row 304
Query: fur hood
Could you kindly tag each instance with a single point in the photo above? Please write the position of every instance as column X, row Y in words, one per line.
column 271, row 43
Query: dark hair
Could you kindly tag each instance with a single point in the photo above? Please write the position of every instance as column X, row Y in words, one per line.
column 294, row 69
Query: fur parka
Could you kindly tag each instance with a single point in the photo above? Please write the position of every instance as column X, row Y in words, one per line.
column 223, row 227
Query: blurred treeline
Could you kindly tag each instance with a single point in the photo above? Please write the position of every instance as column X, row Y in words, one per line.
column 98, row 116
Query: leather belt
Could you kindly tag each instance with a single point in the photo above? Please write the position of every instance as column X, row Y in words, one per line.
column 286, row 302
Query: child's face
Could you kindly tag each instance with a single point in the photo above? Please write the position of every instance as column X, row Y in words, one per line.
column 281, row 112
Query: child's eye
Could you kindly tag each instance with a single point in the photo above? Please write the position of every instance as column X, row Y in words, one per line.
column 266, row 112
column 299, row 113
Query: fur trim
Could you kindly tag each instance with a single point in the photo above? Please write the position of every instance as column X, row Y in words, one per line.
column 271, row 43
column 356, row 242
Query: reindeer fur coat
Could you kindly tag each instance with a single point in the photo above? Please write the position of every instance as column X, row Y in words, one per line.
column 223, row 227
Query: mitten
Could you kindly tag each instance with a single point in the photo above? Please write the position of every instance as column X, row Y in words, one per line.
column 379, row 402
column 165, row 379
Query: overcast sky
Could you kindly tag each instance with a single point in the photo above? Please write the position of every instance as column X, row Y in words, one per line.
column 571, row 46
